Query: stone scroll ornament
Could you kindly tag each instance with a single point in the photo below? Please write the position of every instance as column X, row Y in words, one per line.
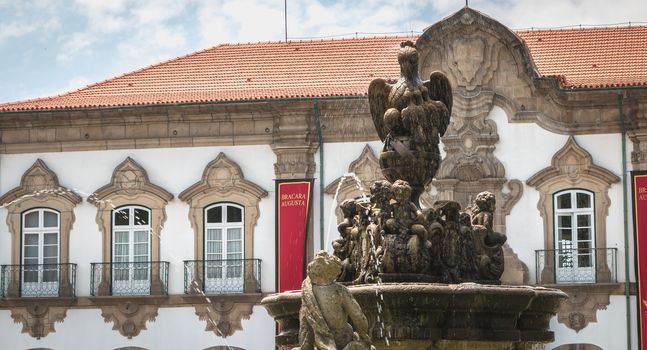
column 326, row 307
column 390, row 236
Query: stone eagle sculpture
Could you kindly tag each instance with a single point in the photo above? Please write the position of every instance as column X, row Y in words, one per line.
column 410, row 116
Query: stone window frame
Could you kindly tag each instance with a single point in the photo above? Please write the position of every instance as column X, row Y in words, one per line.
column 572, row 167
column 40, row 188
column 223, row 181
column 130, row 186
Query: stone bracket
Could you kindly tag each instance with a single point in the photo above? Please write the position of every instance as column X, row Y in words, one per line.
column 583, row 303
column 129, row 317
column 38, row 318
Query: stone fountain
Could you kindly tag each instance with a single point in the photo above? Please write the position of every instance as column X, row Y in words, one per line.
column 425, row 278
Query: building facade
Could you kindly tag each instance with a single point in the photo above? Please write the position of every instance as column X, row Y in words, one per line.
column 139, row 212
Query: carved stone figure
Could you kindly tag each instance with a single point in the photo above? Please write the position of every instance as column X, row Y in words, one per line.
column 410, row 116
column 489, row 244
column 343, row 245
column 326, row 307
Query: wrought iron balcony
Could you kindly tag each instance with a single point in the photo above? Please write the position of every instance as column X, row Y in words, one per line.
column 129, row 278
column 38, row 280
column 585, row 265
column 222, row 276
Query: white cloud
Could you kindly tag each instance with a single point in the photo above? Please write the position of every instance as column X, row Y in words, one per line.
column 15, row 29
column 74, row 45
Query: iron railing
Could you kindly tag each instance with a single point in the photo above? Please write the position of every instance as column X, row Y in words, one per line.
column 38, row 280
column 222, row 276
column 129, row 278
column 585, row 265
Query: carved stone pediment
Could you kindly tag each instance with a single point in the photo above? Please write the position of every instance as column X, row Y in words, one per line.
column 38, row 318
column 224, row 317
column 362, row 173
column 129, row 317
column 130, row 179
column 39, row 181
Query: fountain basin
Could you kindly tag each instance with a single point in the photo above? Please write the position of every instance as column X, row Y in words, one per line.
column 440, row 316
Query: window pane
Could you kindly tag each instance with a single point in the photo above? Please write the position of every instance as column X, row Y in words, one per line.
column 564, row 201
column 214, row 234
column 234, row 247
column 51, row 238
column 584, row 220
column 583, row 200
column 50, row 219
column 141, row 249
column 50, row 261
column 141, row 217
column 31, row 239
column 583, row 234
column 31, row 252
column 50, row 276
column 214, row 215
column 234, row 214
column 584, row 246
column 214, row 248
column 584, row 260
column 30, row 261
column 141, row 236
column 31, row 220
column 121, row 250
column 121, row 237
column 565, row 235
column 122, row 217
column 31, row 276
column 50, row 251
column 234, row 234
column 564, row 221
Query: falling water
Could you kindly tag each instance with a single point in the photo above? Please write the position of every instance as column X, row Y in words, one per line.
column 333, row 207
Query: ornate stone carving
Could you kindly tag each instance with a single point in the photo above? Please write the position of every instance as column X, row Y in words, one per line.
column 473, row 60
column 294, row 162
column 583, row 303
column 129, row 317
column 38, row 319
column 639, row 152
column 39, row 187
column 572, row 166
column 224, row 317
column 222, row 180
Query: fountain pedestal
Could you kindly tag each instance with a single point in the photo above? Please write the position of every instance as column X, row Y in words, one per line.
column 440, row 316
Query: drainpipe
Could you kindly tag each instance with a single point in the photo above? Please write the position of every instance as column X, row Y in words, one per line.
column 623, row 133
column 321, row 173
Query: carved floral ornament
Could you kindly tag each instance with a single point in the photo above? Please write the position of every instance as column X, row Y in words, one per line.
column 128, row 317
column 223, row 181
column 38, row 319
column 224, row 317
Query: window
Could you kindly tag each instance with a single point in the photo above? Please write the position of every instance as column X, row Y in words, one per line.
column 40, row 252
column 131, row 250
column 574, row 236
column 224, row 251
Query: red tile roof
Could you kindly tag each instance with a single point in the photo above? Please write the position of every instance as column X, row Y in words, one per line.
column 592, row 57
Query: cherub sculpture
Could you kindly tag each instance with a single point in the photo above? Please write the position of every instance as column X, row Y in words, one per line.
column 343, row 245
column 410, row 116
column 326, row 307
column 488, row 243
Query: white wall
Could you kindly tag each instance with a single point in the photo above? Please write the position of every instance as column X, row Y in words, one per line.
column 173, row 329
column 174, row 169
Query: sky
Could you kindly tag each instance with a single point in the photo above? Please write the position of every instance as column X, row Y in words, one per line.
column 48, row 47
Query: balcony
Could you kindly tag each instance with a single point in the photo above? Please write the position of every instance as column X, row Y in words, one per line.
column 222, row 276
column 38, row 280
column 129, row 278
column 576, row 265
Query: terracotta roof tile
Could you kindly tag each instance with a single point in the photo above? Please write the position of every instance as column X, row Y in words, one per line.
column 593, row 57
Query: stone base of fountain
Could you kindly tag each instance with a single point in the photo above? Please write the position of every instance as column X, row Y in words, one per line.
column 440, row 316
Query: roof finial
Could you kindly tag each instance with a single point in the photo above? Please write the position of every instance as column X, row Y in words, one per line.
column 467, row 3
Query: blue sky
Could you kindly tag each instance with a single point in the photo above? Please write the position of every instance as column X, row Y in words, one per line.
column 48, row 47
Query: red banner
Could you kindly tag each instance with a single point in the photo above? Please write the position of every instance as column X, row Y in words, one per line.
column 292, row 217
column 639, row 184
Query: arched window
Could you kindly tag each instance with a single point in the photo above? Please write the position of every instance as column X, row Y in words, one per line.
column 131, row 250
column 574, row 236
column 40, row 252
column 224, row 247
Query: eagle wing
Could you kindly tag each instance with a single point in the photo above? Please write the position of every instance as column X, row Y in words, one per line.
column 378, row 101
column 440, row 90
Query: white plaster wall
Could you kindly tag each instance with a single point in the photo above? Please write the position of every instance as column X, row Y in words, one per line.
column 173, row 329
column 174, row 169
column 524, row 149
column 609, row 332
